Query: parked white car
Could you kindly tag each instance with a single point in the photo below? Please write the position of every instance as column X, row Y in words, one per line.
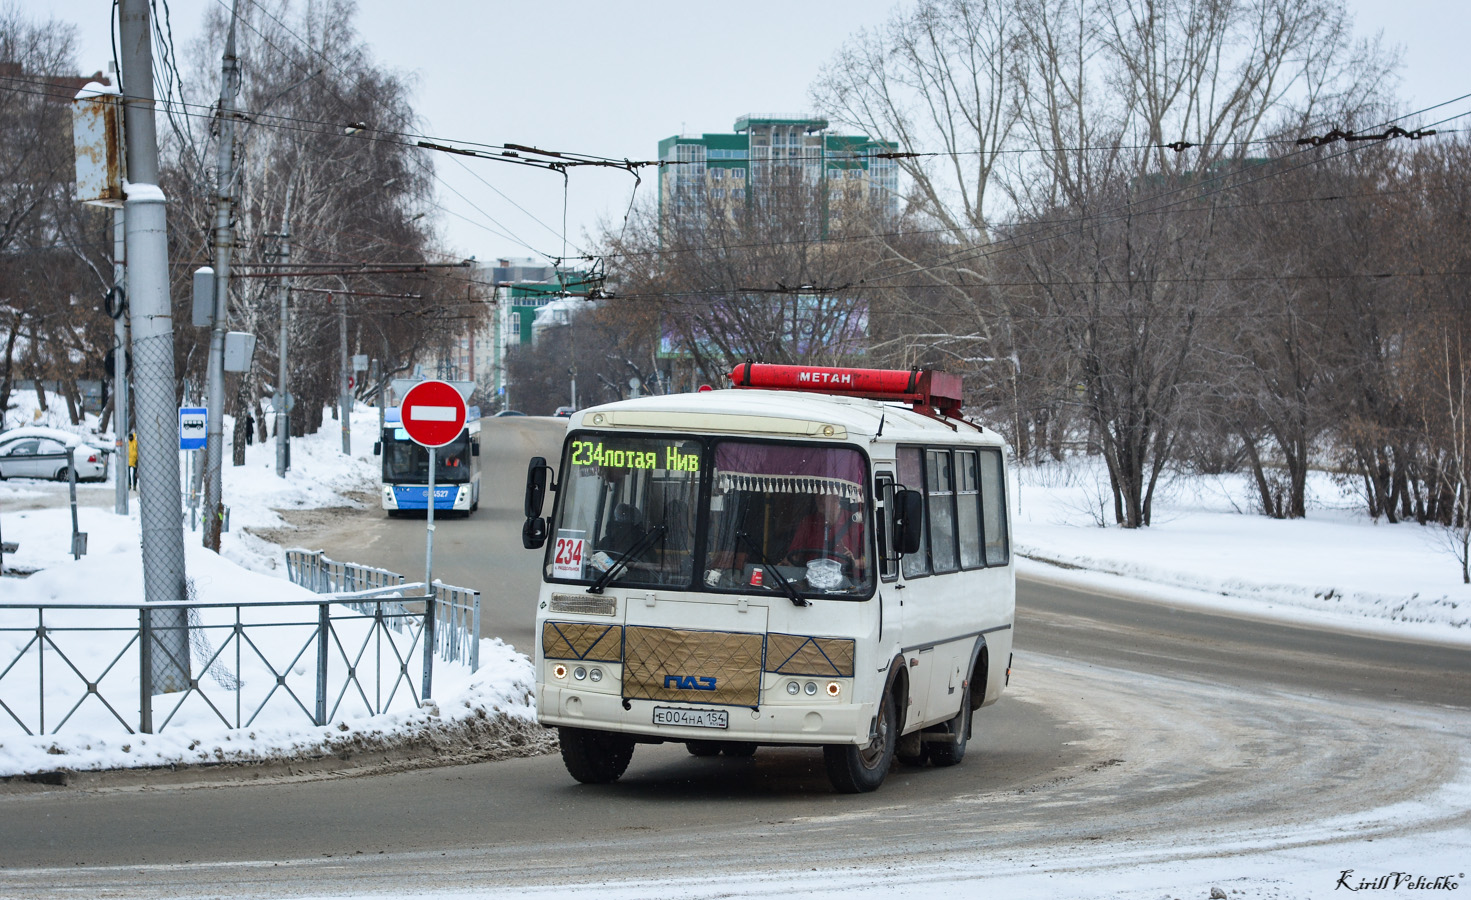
column 24, row 452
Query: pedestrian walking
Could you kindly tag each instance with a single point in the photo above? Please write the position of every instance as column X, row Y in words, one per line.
column 133, row 460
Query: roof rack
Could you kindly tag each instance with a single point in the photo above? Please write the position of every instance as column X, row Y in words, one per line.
column 932, row 393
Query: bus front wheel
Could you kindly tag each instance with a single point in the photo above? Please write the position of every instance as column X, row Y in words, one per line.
column 594, row 757
column 859, row 768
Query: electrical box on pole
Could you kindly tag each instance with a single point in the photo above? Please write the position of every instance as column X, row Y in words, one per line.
column 239, row 350
column 204, row 297
column 97, row 137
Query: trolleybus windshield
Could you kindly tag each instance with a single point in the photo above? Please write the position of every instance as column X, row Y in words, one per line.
column 779, row 517
column 405, row 462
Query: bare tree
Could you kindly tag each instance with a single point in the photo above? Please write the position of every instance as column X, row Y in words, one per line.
column 319, row 154
column 53, row 251
column 775, row 276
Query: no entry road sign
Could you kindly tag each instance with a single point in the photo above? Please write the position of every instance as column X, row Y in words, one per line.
column 433, row 413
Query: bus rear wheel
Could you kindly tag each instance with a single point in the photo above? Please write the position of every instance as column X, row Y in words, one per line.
column 859, row 768
column 951, row 752
column 594, row 757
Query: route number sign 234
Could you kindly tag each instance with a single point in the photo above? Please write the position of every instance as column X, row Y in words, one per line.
column 567, row 561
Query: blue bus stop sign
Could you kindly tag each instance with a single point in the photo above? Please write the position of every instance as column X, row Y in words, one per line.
column 192, row 426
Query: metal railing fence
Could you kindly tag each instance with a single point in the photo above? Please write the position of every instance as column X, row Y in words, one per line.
column 456, row 625
column 273, row 659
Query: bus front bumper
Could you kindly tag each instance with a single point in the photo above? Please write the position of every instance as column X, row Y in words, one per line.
column 449, row 496
column 773, row 723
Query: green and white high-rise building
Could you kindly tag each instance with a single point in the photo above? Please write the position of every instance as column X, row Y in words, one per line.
column 723, row 170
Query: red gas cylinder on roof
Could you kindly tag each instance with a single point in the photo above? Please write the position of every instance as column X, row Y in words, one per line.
column 933, row 393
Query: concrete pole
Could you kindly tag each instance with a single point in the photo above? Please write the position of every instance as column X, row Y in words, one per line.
column 152, row 322
column 214, row 442
column 283, row 376
column 120, row 367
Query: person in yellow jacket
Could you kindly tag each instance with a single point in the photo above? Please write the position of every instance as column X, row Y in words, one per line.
column 132, row 460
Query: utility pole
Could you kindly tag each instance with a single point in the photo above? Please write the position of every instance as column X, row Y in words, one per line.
column 283, row 377
column 120, row 363
column 344, row 402
column 214, row 444
column 151, row 316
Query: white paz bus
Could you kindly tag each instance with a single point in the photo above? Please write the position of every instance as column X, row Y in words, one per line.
column 815, row 557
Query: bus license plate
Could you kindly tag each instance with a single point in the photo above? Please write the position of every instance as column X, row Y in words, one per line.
column 692, row 718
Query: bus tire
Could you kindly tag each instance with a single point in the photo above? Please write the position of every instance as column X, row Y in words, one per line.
column 859, row 768
column 949, row 753
column 703, row 748
column 594, row 757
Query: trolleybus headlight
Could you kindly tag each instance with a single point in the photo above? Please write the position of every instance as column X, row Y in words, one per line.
column 579, row 673
column 793, row 688
column 811, row 689
column 595, row 675
column 559, row 670
column 833, row 688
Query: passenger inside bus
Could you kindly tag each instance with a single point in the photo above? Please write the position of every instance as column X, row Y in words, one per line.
column 625, row 528
column 829, row 531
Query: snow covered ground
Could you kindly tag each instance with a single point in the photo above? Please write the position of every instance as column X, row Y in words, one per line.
column 494, row 701
column 1335, row 569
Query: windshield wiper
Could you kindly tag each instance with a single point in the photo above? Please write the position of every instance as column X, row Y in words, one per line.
column 781, row 579
column 622, row 561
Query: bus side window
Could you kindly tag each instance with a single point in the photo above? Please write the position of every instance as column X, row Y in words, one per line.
column 993, row 508
column 940, row 486
column 911, row 476
column 883, row 486
column 968, row 509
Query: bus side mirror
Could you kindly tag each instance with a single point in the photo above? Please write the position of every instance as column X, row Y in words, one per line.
column 377, row 448
column 908, row 521
column 474, row 449
column 536, row 485
column 534, row 533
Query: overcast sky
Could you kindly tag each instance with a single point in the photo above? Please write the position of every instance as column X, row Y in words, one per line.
column 613, row 78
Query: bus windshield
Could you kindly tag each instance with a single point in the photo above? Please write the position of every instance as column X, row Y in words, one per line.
column 797, row 509
column 780, row 517
column 622, row 494
column 405, row 462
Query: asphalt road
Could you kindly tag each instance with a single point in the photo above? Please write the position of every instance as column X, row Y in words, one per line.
column 1129, row 726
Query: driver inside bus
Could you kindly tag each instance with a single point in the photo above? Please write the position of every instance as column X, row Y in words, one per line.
column 830, row 531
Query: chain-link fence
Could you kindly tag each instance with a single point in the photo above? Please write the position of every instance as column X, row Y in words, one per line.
column 159, row 503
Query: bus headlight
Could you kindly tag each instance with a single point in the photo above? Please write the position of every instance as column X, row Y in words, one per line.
column 559, row 671
column 579, row 673
column 811, row 688
column 793, row 688
column 595, row 675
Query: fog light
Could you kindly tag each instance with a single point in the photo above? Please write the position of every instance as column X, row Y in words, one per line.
column 559, row 670
column 811, row 689
column 793, row 688
column 579, row 673
column 833, row 688
column 595, row 675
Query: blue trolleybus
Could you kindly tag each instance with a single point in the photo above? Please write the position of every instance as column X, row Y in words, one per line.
column 406, row 469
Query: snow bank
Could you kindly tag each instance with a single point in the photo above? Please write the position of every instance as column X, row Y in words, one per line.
column 1205, row 547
